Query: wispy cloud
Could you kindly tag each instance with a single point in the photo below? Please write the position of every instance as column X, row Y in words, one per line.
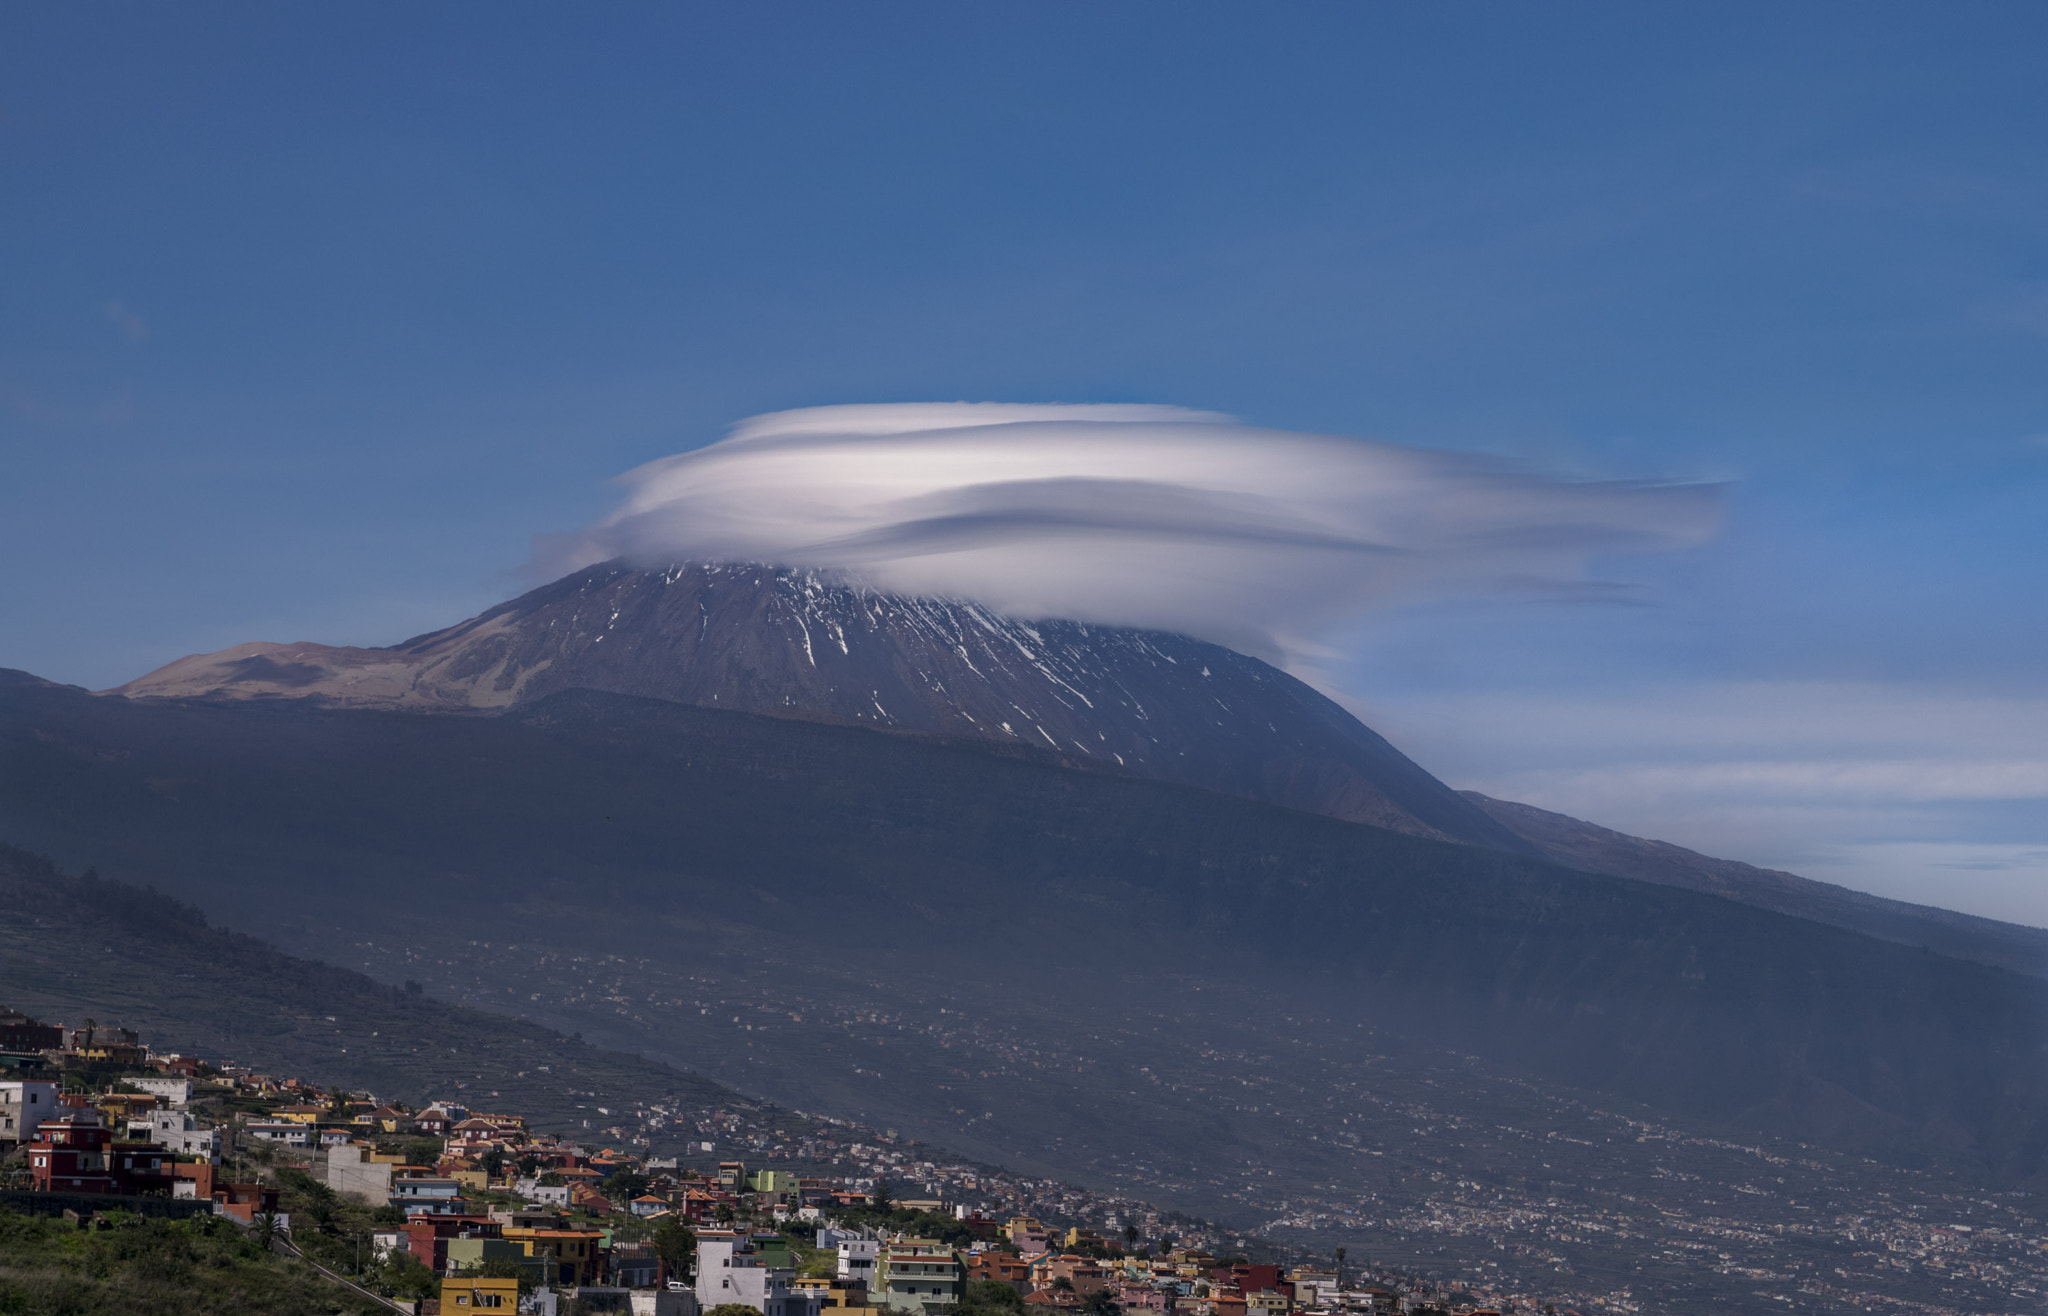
column 132, row 326
column 1137, row 515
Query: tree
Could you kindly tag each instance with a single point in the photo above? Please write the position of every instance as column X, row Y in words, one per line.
column 993, row 1293
column 1101, row 1302
column 1340, row 1269
column 675, row 1245
column 408, row 1277
column 263, row 1229
column 723, row 1213
column 503, row 1268
column 732, row 1309
column 883, row 1202
column 1130, row 1238
column 622, row 1186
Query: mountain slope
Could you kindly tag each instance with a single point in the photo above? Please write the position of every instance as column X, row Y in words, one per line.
column 592, row 825
column 78, row 946
column 790, row 644
column 1595, row 849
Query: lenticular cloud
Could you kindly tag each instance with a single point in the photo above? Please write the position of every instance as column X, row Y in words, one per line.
column 1133, row 515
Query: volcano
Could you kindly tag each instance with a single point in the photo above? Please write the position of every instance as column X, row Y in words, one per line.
column 791, row 643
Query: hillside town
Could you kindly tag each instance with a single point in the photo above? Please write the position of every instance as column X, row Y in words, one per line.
column 446, row 1208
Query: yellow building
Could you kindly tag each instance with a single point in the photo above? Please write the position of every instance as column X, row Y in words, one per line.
column 570, row 1254
column 467, row 1293
column 831, row 1293
column 1267, row 1302
column 299, row 1114
column 1025, row 1232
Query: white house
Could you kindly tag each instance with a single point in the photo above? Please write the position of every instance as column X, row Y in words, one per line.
column 856, row 1251
column 176, row 1131
column 173, row 1091
column 427, row 1195
column 291, row 1135
column 25, row 1103
column 729, row 1271
column 351, row 1171
column 533, row 1190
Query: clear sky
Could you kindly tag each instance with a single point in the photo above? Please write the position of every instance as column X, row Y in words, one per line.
column 312, row 318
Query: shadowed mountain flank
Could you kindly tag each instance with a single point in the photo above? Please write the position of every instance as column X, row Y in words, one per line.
column 592, row 825
column 1595, row 849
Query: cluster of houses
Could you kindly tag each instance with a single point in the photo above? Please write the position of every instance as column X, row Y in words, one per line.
column 1076, row 1269
column 497, row 1192
column 141, row 1142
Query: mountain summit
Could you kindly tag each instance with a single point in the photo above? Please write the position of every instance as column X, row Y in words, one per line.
column 791, row 644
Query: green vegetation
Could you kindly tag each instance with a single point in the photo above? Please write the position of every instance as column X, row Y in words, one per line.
column 204, row 1266
column 993, row 1295
column 917, row 1224
column 335, row 1232
column 622, row 1186
column 675, row 1244
column 987, row 1297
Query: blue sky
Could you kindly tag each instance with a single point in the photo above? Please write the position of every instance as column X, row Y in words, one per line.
column 310, row 321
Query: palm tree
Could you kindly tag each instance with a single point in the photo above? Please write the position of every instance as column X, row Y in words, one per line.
column 265, row 1231
column 1340, row 1270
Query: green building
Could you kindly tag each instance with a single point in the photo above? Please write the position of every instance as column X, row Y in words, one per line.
column 916, row 1275
column 773, row 1181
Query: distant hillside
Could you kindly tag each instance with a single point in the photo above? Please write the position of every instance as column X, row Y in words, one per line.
column 589, row 827
column 1595, row 849
column 73, row 947
column 790, row 644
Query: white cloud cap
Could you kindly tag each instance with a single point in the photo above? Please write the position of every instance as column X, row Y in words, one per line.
column 1133, row 515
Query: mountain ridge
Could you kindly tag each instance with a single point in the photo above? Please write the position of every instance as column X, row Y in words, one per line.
column 1591, row 848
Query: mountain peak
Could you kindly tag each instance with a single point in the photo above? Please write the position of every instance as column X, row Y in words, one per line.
column 791, row 643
